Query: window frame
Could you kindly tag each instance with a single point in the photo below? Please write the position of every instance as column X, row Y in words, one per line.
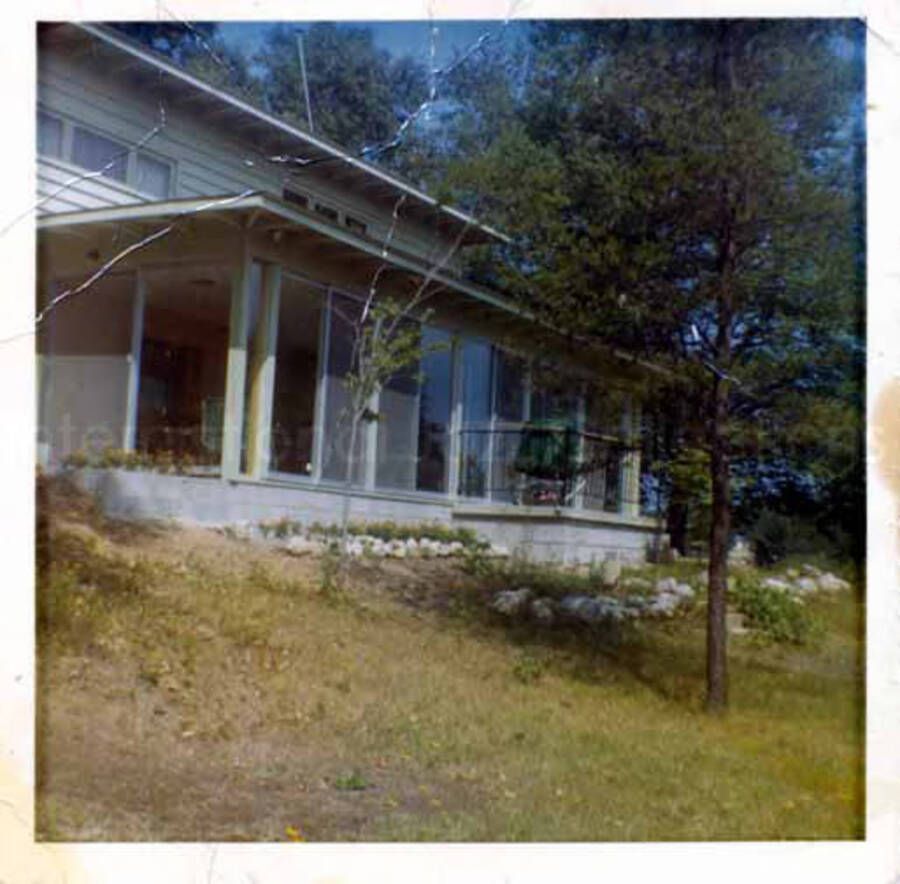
column 131, row 152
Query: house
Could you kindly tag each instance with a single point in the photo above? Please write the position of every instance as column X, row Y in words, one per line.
column 202, row 258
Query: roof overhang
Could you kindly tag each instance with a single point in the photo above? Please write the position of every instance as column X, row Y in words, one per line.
column 257, row 212
column 273, row 136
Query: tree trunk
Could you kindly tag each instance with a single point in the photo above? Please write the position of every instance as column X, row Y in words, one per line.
column 348, row 483
column 716, row 654
column 716, row 637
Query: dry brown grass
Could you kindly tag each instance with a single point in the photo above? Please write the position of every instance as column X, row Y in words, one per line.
column 193, row 687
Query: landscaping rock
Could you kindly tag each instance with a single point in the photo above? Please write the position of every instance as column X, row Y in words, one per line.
column 300, row 546
column 666, row 584
column 811, row 570
column 637, row 583
column 776, row 583
column 592, row 609
column 829, row 582
column 663, row 604
column 740, row 554
column 542, row 611
column 511, row 602
column 684, row 591
column 498, row 551
column 610, row 572
column 805, row 585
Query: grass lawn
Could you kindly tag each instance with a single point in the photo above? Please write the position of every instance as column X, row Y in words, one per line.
column 193, row 687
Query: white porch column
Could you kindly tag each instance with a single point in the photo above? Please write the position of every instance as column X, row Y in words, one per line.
column 369, row 430
column 492, row 423
column 630, row 477
column 580, row 478
column 318, row 445
column 233, row 419
column 139, row 297
column 262, row 374
column 456, row 419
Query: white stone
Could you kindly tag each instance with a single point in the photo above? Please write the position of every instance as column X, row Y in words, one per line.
column 511, row 602
column 637, row 583
column 610, row 572
column 776, row 583
column 666, row 585
column 300, row 546
column 499, row 551
column 805, row 585
column 542, row 611
column 811, row 570
column 740, row 553
column 683, row 590
column 831, row 583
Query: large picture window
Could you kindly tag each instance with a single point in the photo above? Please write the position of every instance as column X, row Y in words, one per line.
column 477, row 386
column 336, row 430
column 414, row 420
column 296, row 377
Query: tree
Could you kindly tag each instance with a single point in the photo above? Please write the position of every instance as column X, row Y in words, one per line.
column 386, row 340
column 358, row 94
column 696, row 204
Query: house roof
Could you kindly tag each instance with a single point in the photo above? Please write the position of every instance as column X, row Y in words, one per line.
column 273, row 135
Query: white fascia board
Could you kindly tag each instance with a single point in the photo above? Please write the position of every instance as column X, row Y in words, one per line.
column 285, row 128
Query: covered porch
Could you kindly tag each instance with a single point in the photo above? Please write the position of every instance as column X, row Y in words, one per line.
column 216, row 355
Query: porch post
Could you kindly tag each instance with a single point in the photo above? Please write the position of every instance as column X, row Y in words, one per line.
column 319, row 413
column 456, row 406
column 139, row 297
column 631, row 462
column 262, row 375
column 370, row 443
column 233, row 419
column 492, row 423
column 580, row 478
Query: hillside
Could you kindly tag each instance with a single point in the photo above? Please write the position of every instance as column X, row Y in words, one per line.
column 193, row 686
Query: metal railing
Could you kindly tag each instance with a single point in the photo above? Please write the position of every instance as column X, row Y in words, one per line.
column 543, row 464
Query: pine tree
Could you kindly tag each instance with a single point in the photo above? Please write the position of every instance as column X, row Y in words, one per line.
column 689, row 192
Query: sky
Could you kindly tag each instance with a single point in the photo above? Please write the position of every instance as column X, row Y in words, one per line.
column 398, row 38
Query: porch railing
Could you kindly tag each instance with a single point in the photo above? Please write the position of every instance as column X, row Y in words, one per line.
column 543, row 465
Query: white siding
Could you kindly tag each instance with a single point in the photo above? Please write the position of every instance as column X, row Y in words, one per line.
column 207, row 161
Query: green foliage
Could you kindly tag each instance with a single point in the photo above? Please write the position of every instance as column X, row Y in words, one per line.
column 80, row 582
column 779, row 615
column 353, row 86
column 528, row 669
column 351, row 781
column 543, row 578
column 332, row 582
column 388, row 530
column 775, row 536
column 109, row 458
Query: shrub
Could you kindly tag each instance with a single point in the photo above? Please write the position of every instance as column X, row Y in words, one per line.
column 775, row 536
column 775, row 612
